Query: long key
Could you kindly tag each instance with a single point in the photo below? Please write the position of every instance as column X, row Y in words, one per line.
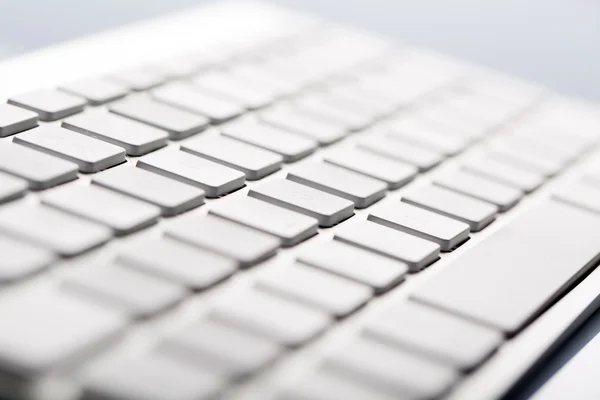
column 96, row 91
column 50, row 105
column 529, row 262
column 505, row 173
column 14, row 120
column 91, row 155
column 581, row 195
column 11, row 188
column 326, row 208
column 215, row 179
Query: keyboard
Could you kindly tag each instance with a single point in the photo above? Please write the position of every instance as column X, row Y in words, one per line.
column 244, row 202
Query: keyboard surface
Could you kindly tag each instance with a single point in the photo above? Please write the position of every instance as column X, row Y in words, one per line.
column 277, row 207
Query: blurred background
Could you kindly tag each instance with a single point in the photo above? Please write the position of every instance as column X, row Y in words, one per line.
column 554, row 42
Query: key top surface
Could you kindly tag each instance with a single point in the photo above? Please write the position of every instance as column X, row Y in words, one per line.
column 181, row 263
column 137, row 79
column 221, row 348
column 96, row 91
column 429, row 136
column 446, row 232
column 381, row 273
column 417, row 253
column 290, row 227
column 178, row 123
column 319, row 107
column 502, row 172
column 527, row 159
column 502, row 196
column 271, row 317
column 405, row 152
column 476, row 213
column 443, row 337
column 11, row 187
column 52, row 229
column 56, row 328
column 580, row 194
column 245, row 245
column 232, row 88
column 136, row 138
column 254, row 162
column 50, row 105
column 151, row 376
column 20, row 259
column 215, row 179
column 291, row 147
column 326, row 208
column 14, row 120
column 173, row 197
column 122, row 214
column 395, row 174
column 393, row 370
column 528, row 263
column 91, row 155
column 123, row 289
column 191, row 99
column 361, row 190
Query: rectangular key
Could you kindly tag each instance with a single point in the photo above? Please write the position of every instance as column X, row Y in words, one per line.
column 451, row 340
column 215, row 179
column 50, row 105
column 476, row 213
column 580, row 194
column 11, row 187
column 511, row 276
column 427, row 135
column 332, row 294
column 14, row 120
column 245, row 245
column 173, row 197
column 253, row 161
column 381, row 273
column 363, row 191
column 417, row 253
column 52, row 229
column 290, row 120
column 395, row 174
column 320, row 107
column 283, row 321
column 291, row 147
column 478, row 187
column 178, row 262
column 39, row 169
column 527, row 159
column 227, row 86
column 137, row 79
column 186, row 97
column 178, row 123
column 221, row 348
column 57, row 329
column 96, row 91
column 126, row 290
column 505, row 173
column 137, row 139
column 20, row 259
column 393, row 370
column 446, row 232
column 326, row 208
column 405, row 152
column 91, row 155
column 122, row 214
column 291, row 227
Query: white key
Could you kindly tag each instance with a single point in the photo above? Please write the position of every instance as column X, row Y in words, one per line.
column 91, row 155
column 581, row 195
column 476, row 213
column 361, row 190
column 291, row 227
column 332, row 294
column 50, row 105
column 96, row 91
column 319, row 107
column 505, row 173
column 11, row 188
column 14, row 120
column 245, row 245
column 527, row 159
column 446, row 232
column 215, row 179
column 123, row 214
column 136, row 138
column 39, row 169
column 291, row 147
column 20, row 259
column 417, row 253
column 173, row 197
column 255, row 162
column 396, row 174
column 326, row 208
column 427, row 135
column 137, row 79
column 405, row 152
column 227, row 86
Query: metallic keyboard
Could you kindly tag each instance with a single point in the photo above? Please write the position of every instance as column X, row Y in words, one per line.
column 240, row 202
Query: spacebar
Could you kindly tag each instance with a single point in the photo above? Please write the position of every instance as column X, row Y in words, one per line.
column 509, row 278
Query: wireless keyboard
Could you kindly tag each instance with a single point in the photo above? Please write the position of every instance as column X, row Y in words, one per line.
column 242, row 202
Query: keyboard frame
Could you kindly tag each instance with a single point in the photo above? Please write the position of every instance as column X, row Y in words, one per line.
column 140, row 43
